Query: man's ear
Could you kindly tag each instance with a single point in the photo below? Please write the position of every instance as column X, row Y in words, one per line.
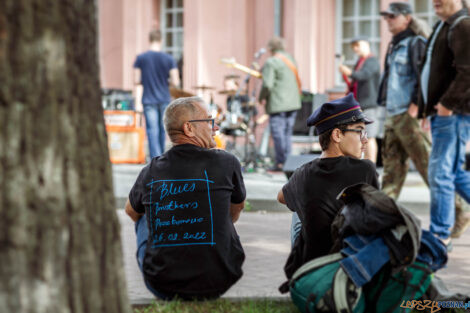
column 336, row 135
column 188, row 129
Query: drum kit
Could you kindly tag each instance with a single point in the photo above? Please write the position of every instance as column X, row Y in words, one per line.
column 239, row 118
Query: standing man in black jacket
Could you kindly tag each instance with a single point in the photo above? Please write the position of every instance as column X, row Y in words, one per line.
column 445, row 96
column 363, row 82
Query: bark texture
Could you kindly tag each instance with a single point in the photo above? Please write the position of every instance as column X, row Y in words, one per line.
column 60, row 248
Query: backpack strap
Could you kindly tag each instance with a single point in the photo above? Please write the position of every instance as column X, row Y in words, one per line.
column 451, row 28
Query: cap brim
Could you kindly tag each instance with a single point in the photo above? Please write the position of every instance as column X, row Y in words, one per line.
column 387, row 13
column 367, row 120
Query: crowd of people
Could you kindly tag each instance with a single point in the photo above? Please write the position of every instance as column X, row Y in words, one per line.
column 186, row 200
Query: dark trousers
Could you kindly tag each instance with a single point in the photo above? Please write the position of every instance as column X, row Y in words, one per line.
column 281, row 126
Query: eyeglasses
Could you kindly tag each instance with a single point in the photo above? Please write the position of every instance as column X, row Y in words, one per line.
column 362, row 132
column 212, row 120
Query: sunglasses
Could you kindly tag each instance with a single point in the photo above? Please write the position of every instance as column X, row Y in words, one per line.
column 212, row 120
column 390, row 16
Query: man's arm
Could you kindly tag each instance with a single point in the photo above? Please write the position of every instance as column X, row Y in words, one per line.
column 137, row 76
column 131, row 212
column 235, row 210
column 268, row 80
column 280, row 197
column 417, row 52
column 371, row 66
column 174, row 78
column 454, row 97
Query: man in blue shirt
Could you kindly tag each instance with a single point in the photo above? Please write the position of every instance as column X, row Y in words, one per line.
column 155, row 70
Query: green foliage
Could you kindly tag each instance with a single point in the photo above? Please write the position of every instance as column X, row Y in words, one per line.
column 248, row 206
column 220, row 306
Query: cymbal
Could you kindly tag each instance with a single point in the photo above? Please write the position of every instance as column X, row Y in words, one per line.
column 180, row 93
column 228, row 92
column 231, row 92
column 203, row 87
column 232, row 76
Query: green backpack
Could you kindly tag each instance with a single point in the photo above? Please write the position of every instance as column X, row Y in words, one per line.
column 321, row 285
column 386, row 292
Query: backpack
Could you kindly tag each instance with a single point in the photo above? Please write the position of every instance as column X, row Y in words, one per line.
column 386, row 292
column 321, row 285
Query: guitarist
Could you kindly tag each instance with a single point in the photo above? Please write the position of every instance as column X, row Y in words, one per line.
column 280, row 93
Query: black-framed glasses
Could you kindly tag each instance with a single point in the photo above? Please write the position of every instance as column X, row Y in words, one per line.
column 212, row 120
column 362, row 132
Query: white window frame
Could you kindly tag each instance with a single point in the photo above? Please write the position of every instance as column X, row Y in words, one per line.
column 428, row 16
column 175, row 51
column 356, row 19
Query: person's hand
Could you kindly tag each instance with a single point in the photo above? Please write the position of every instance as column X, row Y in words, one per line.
column 413, row 110
column 442, row 110
column 345, row 70
column 425, row 125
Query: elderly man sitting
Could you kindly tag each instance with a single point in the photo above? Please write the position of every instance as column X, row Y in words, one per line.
column 184, row 203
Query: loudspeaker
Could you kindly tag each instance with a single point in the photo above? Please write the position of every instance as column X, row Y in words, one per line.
column 126, row 145
column 295, row 161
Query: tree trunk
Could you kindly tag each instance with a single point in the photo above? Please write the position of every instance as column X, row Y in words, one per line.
column 60, row 248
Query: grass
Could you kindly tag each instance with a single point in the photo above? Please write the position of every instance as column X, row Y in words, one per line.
column 220, row 306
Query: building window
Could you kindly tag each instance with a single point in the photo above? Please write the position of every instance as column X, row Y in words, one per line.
column 424, row 10
column 356, row 18
column 172, row 27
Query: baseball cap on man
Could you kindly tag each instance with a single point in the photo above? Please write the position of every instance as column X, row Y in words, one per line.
column 397, row 8
column 344, row 110
column 359, row 38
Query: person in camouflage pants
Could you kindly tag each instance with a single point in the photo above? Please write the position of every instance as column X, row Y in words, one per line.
column 398, row 92
column 404, row 139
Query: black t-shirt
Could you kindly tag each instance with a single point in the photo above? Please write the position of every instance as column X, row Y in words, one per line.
column 312, row 191
column 193, row 248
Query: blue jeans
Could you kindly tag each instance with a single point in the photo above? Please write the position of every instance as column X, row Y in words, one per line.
column 282, row 126
column 155, row 129
column 142, row 233
column 446, row 174
column 295, row 228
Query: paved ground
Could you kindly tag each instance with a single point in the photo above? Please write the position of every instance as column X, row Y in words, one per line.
column 265, row 237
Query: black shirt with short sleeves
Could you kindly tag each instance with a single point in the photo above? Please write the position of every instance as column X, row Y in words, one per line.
column 193, row 248
column 312, row 191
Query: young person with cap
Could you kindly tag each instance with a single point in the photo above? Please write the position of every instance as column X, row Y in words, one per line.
column 363, row 82
column 312, row 191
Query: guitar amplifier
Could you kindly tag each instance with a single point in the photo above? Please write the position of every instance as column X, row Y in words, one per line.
column 126, row 144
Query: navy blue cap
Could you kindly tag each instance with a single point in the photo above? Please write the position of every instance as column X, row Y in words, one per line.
column 397, row 8
column 344, row 110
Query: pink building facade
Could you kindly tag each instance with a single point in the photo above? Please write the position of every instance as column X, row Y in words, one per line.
column 204, row 31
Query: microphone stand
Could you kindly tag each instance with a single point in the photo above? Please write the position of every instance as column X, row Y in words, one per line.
column 251, row 156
